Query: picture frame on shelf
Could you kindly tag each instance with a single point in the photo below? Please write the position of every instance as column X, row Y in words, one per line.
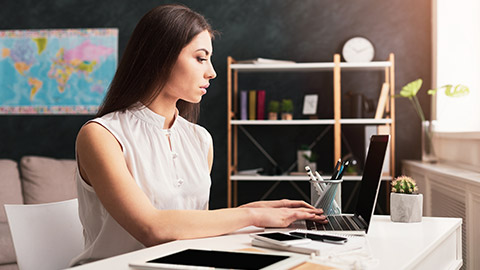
column 310, row 102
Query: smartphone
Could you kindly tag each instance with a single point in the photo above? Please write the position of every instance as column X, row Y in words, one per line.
column 281, row 239
column 334, row 239
column 321, row 237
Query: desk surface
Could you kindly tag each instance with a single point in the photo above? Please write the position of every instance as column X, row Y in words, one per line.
column 435, row 243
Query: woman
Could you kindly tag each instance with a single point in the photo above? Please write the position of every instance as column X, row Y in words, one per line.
column 143, row 169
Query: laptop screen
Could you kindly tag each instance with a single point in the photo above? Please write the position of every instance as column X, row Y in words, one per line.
column 372, row 172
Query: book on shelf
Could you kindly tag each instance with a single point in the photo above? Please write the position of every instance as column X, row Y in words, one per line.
column 382, row 101
column 255, row 172
column 252, row 105
column 265, row 61
column 260, row 104
column 243, row 105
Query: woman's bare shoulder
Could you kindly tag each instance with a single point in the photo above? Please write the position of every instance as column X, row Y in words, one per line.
column 94, row 132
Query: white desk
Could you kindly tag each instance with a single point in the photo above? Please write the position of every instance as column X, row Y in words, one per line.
column 435, row 243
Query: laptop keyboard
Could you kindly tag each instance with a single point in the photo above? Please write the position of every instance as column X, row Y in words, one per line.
column 337, row 223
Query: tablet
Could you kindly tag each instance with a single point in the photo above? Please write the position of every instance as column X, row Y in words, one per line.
column 217, row 259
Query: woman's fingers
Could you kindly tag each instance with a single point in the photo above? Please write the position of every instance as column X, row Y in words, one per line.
column 282, row 213
column 296, row 204
column 319, row 218
column 282, row 204
column 282, row 217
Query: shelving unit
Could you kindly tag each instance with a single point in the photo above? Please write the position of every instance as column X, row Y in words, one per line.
column 344, row 121
column 238, row 177
column 337, row 67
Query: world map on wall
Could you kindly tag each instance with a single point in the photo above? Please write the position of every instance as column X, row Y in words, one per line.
column 56, row 71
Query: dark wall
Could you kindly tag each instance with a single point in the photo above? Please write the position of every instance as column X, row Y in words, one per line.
column 307, row 30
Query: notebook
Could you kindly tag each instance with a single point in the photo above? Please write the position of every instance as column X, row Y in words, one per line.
column 358, row 222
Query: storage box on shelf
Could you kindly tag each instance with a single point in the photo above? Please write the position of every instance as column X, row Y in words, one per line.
column 337, row 67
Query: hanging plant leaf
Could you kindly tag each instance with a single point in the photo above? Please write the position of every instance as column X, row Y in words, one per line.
column 460, row 90
column 411, row 88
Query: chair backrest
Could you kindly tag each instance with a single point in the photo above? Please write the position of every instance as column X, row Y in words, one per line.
column 45, row 236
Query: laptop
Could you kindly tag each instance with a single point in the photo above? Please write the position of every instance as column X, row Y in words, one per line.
column 358, row 222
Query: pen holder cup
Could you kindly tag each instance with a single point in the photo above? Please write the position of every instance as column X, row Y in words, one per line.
column 323, row 195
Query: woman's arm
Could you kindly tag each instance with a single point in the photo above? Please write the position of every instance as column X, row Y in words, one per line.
column 278, row 203
column 103, row 166
column 210, row 157
column 210, row 162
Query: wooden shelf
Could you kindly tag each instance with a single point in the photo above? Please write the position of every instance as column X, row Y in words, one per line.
column 238, row 177
column 345, row 121
column 365, row 121
column 284, row 122
column 303, row 67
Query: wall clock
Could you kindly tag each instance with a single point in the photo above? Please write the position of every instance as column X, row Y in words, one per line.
column 358, row 49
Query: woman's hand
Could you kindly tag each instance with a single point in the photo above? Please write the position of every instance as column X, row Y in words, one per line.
column 281, row 213
column 278, row 203
column 282, row 217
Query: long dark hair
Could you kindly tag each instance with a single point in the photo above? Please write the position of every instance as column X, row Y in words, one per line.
column 150, row 56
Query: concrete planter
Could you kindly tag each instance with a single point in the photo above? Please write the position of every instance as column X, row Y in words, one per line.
column 406, row 207
column 312, row 165
column 302, row 161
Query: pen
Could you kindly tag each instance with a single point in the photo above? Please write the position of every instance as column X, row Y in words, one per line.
column 335, row 170
column 338, row 172
column 339, row 161
column 310, row 174
column 314, row 182
column 319, row 178
column 344, row 165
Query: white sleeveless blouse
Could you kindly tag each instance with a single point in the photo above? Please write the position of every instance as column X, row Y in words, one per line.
column 172, row 178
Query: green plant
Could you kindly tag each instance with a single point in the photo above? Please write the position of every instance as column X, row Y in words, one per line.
column 287, row 106
column 411, row 89
column 304, row 147
column 274, row 106
column 312, row 158
column 404, row 184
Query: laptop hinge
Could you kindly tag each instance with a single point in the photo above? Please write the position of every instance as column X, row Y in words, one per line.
column 364, row 223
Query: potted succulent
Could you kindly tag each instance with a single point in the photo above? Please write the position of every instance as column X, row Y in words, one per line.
column 287, row 109
column 406, row 204
column 410, row 91
column 273, row 110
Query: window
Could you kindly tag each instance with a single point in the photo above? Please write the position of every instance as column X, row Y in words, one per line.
column 456, row 60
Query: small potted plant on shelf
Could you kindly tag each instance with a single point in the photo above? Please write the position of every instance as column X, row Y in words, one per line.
column 273, row 110
column 406, row 204
column 287, row 109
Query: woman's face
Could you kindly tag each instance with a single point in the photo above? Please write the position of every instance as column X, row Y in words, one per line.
column 193, row 70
